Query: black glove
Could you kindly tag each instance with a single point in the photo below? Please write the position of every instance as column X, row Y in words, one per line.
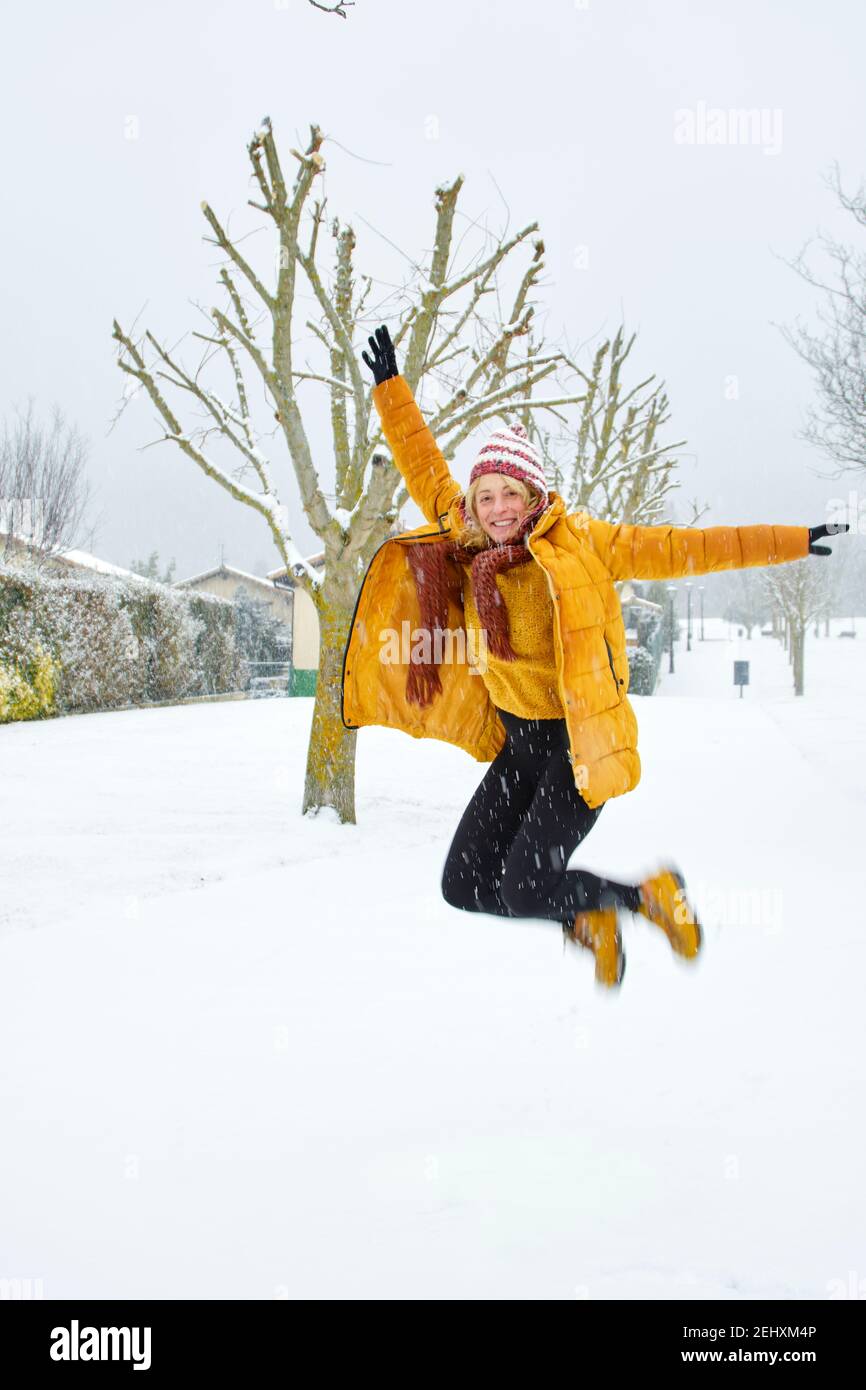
column 815, row 532
column 384, row 362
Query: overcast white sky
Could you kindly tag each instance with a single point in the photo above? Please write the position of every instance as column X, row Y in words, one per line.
column 565, row 112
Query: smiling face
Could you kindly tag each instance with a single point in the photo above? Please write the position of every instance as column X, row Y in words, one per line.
column 500, row 505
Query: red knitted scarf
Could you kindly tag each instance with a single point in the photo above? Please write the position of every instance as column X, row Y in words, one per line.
column 435, row 568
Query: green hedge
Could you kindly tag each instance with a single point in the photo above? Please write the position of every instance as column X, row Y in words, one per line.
column 116, row 642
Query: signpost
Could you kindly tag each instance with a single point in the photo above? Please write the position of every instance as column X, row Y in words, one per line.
column 741, row 675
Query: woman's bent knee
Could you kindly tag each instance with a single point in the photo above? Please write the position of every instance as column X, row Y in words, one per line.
column 520, row 895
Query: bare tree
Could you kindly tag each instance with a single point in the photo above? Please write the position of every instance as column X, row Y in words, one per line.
column 745, row 598
column 837, row 353
column 618, row 468
column 852, row 598
column 802, row 592
column 44, row 494
column 462, row 343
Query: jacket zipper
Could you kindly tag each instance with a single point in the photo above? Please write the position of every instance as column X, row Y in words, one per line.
column 561, row 654
column 616, row 680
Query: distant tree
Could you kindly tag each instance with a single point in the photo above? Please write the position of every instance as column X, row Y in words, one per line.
column 803, row 592
column 837, row 352
column 44, row 494
column 150, row 568
column 656, row 592
column 746, row 599
column 259, row 634
column 852, row 597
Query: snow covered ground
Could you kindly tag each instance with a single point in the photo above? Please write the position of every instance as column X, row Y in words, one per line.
column 251, row 1055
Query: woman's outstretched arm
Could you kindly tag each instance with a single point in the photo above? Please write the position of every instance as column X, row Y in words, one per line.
column 675, row 552
column 415, row 451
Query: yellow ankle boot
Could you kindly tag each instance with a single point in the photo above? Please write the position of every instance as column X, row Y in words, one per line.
column 663, row 902
column 599, row 932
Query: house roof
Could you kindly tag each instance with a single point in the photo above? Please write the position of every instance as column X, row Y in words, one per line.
column 635, row 601
column 82, row 559
column 226, row 570
column 316, row 561
column 79, row 559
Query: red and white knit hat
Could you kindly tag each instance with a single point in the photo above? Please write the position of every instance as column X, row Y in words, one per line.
column 509, row 450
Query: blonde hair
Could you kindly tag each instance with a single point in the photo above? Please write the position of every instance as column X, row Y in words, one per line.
column 473, row 536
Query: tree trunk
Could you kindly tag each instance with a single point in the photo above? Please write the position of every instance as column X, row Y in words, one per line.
column 330, row 776
column 799, row 653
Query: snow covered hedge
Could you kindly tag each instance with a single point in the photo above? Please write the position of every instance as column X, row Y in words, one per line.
column 82, row 642
column 642, row 671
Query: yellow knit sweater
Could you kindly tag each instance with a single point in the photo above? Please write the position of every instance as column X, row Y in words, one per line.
column 527, row 686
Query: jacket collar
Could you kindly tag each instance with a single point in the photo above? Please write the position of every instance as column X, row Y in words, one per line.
column 551, row 514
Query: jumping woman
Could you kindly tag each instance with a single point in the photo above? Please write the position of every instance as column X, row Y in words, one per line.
column 539, row 686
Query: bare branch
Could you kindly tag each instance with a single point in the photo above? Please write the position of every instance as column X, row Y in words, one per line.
column 337, row 8
column 231, row 250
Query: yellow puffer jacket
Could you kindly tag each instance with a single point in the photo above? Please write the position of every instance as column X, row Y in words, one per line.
column 581, row 556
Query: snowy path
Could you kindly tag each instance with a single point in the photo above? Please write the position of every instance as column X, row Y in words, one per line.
column 827, row 724
column 247, row 1055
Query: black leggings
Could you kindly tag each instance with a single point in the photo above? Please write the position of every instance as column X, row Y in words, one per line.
column 515, row 837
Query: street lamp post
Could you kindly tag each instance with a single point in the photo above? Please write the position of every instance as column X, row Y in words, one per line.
column 671, row 590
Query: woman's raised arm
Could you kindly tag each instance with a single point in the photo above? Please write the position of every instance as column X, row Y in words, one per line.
column 675, row 552
column 415, row 451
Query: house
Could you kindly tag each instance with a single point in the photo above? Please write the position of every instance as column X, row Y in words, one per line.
column 231, row 584
column 306, row 621
column 224, row 581
column 305, row 626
